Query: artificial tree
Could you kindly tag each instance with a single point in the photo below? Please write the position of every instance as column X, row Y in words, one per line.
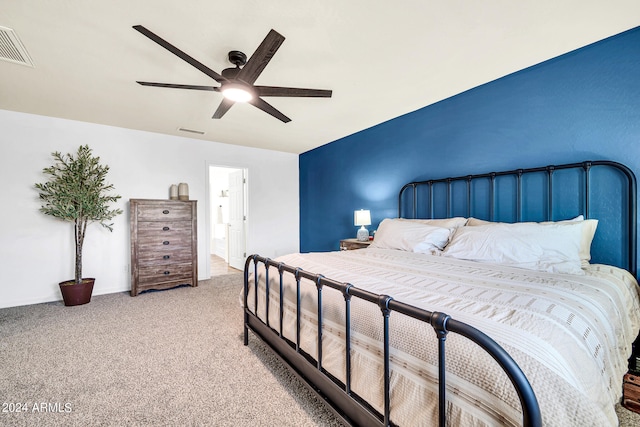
column 77, row 192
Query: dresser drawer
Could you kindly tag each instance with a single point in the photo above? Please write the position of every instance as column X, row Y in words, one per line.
column 148, row 259
column 169, row 273
column 168, row 253
column 163, row 243
column 163, row 228
column 164, row 211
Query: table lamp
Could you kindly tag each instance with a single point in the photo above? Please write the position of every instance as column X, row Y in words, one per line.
column 362, row 218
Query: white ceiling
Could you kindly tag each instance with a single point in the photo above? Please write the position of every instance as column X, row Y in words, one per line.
column 381, row 59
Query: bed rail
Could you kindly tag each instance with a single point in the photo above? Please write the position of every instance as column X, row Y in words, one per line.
column 499, row 196
column 339, row 394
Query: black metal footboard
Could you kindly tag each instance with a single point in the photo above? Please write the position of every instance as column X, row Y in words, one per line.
column 338, row 394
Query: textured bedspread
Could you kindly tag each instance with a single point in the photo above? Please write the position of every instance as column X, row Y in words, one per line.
column 570, row 334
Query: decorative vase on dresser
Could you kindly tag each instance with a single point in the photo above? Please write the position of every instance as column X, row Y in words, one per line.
column 164, row 244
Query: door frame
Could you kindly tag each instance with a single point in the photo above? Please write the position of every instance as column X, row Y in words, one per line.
column 207, row 208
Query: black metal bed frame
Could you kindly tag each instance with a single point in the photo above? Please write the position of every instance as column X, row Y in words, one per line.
column 339, row 395
column 628, row 231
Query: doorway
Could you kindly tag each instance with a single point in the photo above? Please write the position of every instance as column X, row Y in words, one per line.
column 228, row 216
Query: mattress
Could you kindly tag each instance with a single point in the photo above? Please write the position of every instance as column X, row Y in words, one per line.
column 570, row 334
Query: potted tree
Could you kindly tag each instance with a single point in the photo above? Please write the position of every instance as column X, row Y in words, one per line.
column 77, row 192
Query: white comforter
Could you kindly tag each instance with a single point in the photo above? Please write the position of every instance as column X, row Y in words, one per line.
column 570, row 334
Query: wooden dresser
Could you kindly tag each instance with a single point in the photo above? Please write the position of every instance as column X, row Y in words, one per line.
column 164, row 244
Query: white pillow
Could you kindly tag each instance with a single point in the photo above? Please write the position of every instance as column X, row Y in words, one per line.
column 588, row 232
column 442, row 222
column 552, row 247
column 475, row 221
column 410, row 236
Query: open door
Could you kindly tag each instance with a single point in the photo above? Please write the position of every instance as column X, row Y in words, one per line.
column 237, row 251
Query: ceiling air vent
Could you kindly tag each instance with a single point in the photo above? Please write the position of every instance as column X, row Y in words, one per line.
column 12, row 49
column 199, row 132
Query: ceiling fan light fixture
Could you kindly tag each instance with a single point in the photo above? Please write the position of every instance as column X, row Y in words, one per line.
column 236, row 92
column 237, row 84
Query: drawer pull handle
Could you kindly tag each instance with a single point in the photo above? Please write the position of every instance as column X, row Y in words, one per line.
column 166, row 242
column 166, row 257
column 166, row 211
column 166, row 273
column 165, row 228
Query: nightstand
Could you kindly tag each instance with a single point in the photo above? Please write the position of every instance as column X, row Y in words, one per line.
column 351, row 244
column 631, row 392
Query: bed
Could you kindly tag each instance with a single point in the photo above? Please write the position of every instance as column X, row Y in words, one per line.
column 495, row 302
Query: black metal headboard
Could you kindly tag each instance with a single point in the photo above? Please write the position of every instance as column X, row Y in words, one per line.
column 599, row 189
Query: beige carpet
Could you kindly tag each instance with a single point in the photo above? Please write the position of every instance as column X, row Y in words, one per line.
column 168, row 358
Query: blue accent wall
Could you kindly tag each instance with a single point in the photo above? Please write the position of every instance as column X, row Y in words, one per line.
column 584, row 105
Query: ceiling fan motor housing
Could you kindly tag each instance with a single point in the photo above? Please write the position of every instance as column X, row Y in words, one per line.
column 238, row 59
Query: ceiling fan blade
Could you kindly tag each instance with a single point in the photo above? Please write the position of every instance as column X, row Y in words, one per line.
column 292, row 91
column 261, row 57
column 223, row 108
column 180, row 54
column 175, row 86
column 269, row 109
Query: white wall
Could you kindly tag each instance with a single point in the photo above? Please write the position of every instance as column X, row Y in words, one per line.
column 36, row 251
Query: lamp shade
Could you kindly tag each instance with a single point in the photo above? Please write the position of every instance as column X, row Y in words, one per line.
column 362, row 217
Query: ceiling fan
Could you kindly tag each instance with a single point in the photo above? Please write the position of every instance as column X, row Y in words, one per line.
column 236, row 84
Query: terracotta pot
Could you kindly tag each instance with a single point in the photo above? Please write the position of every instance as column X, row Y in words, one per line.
column 76, row 293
